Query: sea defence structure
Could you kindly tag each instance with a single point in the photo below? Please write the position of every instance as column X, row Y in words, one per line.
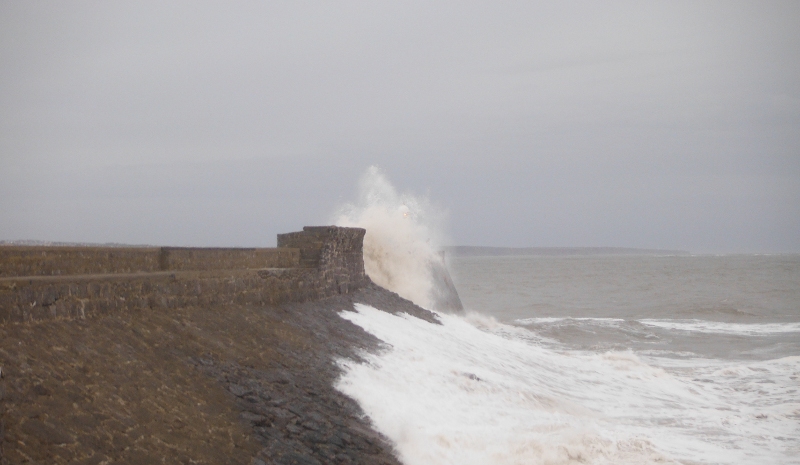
column 188, row 355
column 39, row 283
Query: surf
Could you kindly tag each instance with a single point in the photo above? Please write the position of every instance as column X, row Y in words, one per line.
column 596, row 361
column 460, row 393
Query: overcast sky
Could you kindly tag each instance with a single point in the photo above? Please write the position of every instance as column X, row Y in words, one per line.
column 633, row 124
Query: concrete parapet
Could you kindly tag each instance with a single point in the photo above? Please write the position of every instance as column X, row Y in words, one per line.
column 76, row 282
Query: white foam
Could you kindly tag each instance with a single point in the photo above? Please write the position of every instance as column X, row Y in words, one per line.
column 695, row 325
column 403, row 236
column 470, row 391
column 716, row 327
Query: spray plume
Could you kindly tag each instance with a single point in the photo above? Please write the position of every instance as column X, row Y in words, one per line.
column 402, row 243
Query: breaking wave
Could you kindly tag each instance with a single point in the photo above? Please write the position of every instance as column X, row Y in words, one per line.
column 689, row 325
column 475, row 392
column 744, row 329
column 404, row 236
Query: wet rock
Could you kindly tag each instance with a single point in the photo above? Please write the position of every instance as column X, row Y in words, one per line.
column 297, row 409
column 294, row 429
column 337, row 441
column 280, row 377
column 294, row 458
column 239, row 390
column 310, row 425
column 313, row 437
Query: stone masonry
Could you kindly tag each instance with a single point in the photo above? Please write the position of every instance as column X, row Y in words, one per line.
column 185, row 355
column 38, row 283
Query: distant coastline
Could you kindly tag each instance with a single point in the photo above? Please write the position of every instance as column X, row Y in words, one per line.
column 481, row 251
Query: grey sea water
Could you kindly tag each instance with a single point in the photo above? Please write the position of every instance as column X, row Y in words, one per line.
column 722, row 307
column 566, row 360
column 594, row 360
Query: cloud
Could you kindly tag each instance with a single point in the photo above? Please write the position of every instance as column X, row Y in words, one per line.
column 592, row 122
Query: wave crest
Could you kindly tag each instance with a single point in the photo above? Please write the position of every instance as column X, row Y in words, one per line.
column 403, row 239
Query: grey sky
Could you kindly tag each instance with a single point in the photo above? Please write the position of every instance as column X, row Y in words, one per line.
column 639, row 124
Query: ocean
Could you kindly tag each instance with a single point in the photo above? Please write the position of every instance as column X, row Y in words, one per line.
column 617, row 359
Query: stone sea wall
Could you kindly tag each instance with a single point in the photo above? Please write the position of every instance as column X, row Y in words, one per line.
column 60, row 261
column 185, row 355
column 39, row 283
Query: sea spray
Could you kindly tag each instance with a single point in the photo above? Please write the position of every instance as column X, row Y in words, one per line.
column 403, row 240
column 457, row 394
column 473, row 391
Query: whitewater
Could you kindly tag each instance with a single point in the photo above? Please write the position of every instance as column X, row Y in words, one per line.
column 578, row 360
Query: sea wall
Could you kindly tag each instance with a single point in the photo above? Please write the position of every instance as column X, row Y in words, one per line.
column 183, row 355
column 39, row 283
column 59, row 261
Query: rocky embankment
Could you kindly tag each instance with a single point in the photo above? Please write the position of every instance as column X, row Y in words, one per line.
column 248, row 384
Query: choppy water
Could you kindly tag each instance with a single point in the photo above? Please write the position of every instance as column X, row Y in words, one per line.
column 722, row 307
column 599, row 360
